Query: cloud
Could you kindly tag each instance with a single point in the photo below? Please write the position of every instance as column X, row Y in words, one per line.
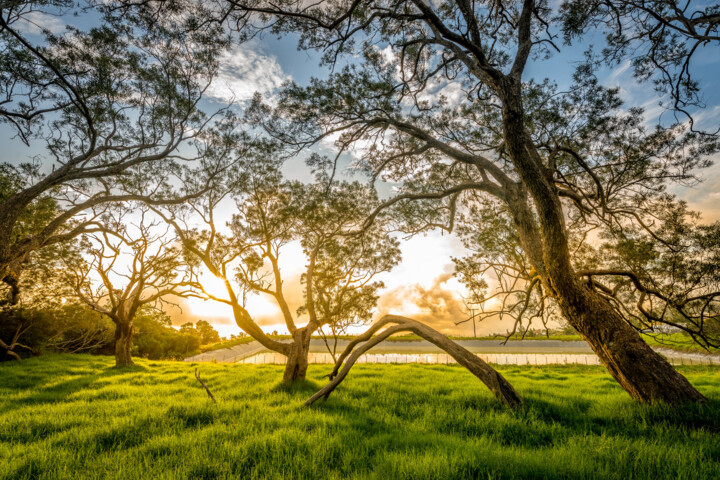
column 436, row 305
column 245, row 70
column 34, row 23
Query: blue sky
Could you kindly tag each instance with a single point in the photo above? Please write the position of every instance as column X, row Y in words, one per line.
column 421, row 286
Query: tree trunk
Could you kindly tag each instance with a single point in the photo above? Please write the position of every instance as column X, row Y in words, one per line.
column 641, row 371
column 7, row 352
column 12, row 279
column 123, row 344
column 297, row 358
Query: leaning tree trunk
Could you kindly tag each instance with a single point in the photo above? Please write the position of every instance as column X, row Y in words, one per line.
column 10, row 349
column 297, row 358
column 639, row 369
column 497, row 384
column 123, row 344
column 645, row 375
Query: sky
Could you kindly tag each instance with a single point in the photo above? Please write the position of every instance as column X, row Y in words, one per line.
column 422, row 285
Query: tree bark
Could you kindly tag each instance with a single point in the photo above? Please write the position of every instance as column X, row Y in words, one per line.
column 8, row 351
column 123, row 344
column 297, row 357
column 641, row 371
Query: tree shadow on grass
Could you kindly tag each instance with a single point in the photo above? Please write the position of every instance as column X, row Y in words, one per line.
column 578, row 414
column 58, row 392
column 301, row 388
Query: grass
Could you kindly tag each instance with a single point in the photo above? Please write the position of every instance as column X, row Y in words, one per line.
column 676, row 341
column 76, row 416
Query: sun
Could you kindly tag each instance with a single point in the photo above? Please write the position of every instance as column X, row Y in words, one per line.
column 256, row 305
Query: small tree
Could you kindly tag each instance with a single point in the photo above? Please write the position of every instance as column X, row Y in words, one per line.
column 207, row 334
column 156, row 339
column 270, row 214
column 133, row 264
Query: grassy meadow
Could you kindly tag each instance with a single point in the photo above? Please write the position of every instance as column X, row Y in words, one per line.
column 76, row 416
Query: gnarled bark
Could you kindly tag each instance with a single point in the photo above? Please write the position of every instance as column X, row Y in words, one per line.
column 123, row 344
column 297, row 357
column 641, row 371
column 497, row 384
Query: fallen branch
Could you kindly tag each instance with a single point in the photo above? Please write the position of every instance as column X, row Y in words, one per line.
column 488, row 375
column 197, row 375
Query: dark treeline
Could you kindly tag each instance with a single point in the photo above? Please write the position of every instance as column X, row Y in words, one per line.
column 75, row 328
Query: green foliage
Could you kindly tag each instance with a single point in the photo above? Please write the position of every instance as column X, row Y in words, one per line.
column 99, row 104
column 342, row 267
column 327, row 217
column 68, row 327
column 156, row 339
column 206, row 332
column 658, row 37
column 78, row 417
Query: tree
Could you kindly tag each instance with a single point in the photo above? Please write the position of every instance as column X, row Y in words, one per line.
column 660, row 37
column 156, row 339
column 438, row 91
column 46, row 318
column 492, row 379
column 132, row 265
column 104, row 103
column 70, row 327
column 271, row 213
column 207, row 334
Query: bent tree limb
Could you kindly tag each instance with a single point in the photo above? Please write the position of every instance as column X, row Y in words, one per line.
column 497, row 384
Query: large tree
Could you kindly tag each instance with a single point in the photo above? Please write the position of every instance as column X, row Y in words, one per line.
column 94, row 107
column 441, row 92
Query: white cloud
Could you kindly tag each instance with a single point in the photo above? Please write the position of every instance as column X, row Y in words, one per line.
column 34, row 23
column 244, row 71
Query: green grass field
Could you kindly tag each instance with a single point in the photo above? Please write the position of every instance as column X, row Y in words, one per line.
column 75, row 416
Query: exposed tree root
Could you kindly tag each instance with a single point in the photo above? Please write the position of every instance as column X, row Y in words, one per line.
column 488, row 375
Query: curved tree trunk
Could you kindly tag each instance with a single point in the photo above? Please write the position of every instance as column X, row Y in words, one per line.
column 497, row 384
column 123, row 344
column 10, row 349
column 7, row 351
column 297, row 358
